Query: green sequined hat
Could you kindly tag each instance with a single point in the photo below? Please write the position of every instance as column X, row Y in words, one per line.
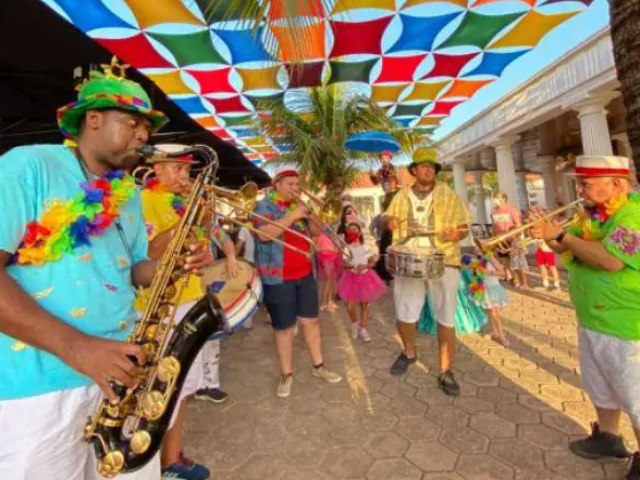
column 108, row 90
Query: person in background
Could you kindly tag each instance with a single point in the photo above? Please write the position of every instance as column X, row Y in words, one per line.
column 163, row 206
column 289, row 276
column 546, row 261
column 386, row 239
column 505, row 218
column 603, row 262
column 330, row 269
column 246, row 248
column 359, row 284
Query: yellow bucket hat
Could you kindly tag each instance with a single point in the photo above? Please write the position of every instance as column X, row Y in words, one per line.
column 425, row 155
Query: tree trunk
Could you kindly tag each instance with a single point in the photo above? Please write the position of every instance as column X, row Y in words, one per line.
column 625, row 32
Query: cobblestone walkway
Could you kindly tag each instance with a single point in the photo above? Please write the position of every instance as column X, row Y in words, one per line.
column 518, row 410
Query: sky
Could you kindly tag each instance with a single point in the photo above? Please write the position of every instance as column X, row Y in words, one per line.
column 564, row 38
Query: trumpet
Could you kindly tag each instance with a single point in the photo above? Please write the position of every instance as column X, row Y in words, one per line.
column 329, row 212
column 504, row 243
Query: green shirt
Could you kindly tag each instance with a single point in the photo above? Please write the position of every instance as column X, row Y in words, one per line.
column 609, row 302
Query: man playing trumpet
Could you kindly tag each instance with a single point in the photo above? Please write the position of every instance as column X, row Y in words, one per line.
column 603, row 252
column 289, row 276
column 429, row 205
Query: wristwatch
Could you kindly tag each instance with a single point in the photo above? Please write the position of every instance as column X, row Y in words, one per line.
column 560, row 237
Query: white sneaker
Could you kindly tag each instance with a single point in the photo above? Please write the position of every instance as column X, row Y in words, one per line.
column 354, row 330
column 284, row 386
column 364, row 335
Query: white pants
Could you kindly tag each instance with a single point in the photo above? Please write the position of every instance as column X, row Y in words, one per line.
column 610, row 369
column 41, row 438
column 409, row 295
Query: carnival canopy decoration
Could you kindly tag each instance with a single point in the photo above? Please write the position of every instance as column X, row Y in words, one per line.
column 419, row 59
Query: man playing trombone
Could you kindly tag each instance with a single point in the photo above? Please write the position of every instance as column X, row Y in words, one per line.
column 603, row 252
column 429, row 204
column 287, row 269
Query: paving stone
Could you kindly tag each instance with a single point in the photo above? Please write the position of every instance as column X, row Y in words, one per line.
column 431, row 456
column 380, row 421
column 298, row 473
column 407, row 407
column 432, row 395
column 269, row 439
column 301, row 452
column 442, row 476
column 473, row 404
column 543, row 437
column 534, row 403
column 482, row 379
column 497, row 395
column 448, row 416
column 492, row 425
column 571, row 466
column 260, row 467
column 417, row 428
column 385, row 444
column 517, row 454
column 483, row 467
column 393, row 468
column 398, row 389
column 562, row 423
column 346, row 463
column 464, row 440
column 518, row 414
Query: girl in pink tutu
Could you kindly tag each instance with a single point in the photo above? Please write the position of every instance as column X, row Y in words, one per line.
column 359, row 284
column 330, row 269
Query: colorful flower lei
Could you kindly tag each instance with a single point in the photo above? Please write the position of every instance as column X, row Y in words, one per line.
column 476, row 266
column 289, row 207
column 176, row 201
column 66, row 225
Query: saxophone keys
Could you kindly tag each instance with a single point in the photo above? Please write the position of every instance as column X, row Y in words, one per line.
column 168, row 369
column 153, row 405
column 111, row 464
column 140, row 442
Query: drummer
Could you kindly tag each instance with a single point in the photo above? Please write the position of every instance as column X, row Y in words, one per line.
column 163, row 205
column 429, row 205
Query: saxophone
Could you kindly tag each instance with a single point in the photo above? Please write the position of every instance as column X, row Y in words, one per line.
column 127, row 435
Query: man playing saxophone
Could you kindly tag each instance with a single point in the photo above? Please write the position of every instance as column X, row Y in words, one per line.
column 603, row 259
column 429, row 205
column 163, row 201
column 72, row 249
column 289, row 277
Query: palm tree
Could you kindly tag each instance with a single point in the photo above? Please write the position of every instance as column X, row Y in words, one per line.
column 625, row 32
column 315, row 124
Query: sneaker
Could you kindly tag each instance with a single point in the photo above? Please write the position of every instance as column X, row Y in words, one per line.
column 326, row 375
column 354, row 331
column 634, row 471
column 284, row 386
column 557, row 288
column 448, row 384
column 599, row 445
column 213, row 395
column 364, row 335
column 401, row 364
column 185, row 469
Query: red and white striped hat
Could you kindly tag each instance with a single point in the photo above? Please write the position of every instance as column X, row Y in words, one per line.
column 285, row 172
column 601, row 166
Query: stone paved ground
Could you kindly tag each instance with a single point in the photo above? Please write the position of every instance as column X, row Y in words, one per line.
column 518, row 410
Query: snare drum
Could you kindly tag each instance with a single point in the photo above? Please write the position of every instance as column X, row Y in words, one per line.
column 239, row 296
column 414, row 262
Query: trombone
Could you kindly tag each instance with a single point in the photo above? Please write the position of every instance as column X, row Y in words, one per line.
column 503, row 243
column 329, row 212
column 244, row 201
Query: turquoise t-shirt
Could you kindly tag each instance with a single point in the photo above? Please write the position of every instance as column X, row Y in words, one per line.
column 89, row 288
column 609, row 302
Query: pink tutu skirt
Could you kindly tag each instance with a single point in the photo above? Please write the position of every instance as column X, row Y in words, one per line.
column 330, row 265
column 361, row 287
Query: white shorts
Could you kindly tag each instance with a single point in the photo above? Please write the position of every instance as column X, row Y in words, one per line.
column 610, row 370
column 41, row 438
column 409, row 295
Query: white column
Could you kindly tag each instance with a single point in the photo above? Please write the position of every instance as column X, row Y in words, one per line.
column 480, row 197
column 460, row 181
column 548, row 167
column 506, row 169
column 594, row 128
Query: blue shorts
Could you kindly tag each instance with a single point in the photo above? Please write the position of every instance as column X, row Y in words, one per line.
column 290, row 300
